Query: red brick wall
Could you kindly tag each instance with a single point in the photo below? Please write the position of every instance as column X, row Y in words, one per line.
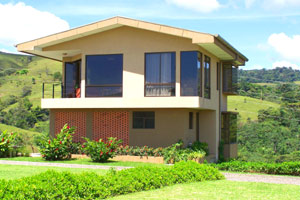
column 111, row 124
column 77, row 119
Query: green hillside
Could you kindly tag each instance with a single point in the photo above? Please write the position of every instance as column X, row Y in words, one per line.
column 248, row 107
column 39, row 70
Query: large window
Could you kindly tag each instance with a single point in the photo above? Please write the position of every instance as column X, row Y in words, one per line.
column 71, row 87
column 191, row 73
column 104, row 75
column 160, row 74
column 143, row 120
column 230, row 77
column 207, row 77
column 229, row 127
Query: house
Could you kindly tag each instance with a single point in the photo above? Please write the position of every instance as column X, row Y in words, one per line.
column 144, row 83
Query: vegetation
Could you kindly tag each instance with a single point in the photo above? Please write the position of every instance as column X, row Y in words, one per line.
column 278, row 74
column 60, row 147
column 222, row 189
column 285, row 168
column 7, row 141
column 101, row 151
column 53, row 185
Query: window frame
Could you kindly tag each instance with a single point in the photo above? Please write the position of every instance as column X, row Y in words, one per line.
column 207, row 59
column 107, row 85
column 191, row 120
column 144, row 127
column 200, row 94
column 160, row 84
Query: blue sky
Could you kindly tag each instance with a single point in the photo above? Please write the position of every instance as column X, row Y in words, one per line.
column 266, row 31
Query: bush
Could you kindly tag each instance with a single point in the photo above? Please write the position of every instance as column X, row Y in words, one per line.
column 6, row 143
column 101, row 151
column 177, row 153
column 139, row 151
column 200, row 146
column 59, row 148
column 285, row 168
column 65, row 185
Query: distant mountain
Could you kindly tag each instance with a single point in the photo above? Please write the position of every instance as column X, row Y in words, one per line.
column 283, row 74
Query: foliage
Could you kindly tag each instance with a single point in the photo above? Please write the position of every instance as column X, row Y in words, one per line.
column 57, row 76
column 54, row 185
column 279, row 74
column 139, row 151
column 285, row 168
column 59, row 148
column 7, row 143
column 200, row 146
column 101, row 151
column 176, row 153
column 26, row 91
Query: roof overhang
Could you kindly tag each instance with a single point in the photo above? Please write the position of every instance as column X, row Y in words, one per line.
column 212, row 43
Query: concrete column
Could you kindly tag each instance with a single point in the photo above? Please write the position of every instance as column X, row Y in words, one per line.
column 89, row 124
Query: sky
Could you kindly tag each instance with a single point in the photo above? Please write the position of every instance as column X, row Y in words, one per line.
column 267, row 32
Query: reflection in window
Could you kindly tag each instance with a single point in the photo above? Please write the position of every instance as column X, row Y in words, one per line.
column 191, row 73
column 160, row 74
column 143, row 120
column 104, row 75
column 207, row 77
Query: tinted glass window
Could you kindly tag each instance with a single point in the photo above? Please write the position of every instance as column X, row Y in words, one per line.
column 104, row 75
column 160, row 74
column 143, row 120
column 72, row 78
column 207, row 77
column 191, row 73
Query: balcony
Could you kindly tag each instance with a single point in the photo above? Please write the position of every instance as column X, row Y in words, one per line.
column 58, row 90
column 230, row 78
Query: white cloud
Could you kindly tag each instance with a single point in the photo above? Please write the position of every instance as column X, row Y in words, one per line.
column 20, row 23
column 203, row 6
column 270, row 4
column 287, row 47
column 285, row 64
column 249, row 3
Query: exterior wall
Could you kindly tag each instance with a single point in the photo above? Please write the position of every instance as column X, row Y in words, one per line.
column 133, row 44
column 171, row 125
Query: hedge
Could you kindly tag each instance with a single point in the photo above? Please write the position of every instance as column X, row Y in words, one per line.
column 65, row 185
column 285, row 168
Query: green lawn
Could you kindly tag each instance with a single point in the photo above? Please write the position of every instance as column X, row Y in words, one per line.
column 228, row 190
column 19, row 171
column 297, row 82
column 248, row 107
column 83, row 161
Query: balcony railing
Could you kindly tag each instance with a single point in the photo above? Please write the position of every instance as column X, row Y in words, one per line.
column 58, row 90
column 230, row 78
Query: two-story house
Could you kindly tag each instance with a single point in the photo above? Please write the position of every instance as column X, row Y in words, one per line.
column 144, row 83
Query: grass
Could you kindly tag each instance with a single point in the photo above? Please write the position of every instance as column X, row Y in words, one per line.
column 224, row 189
column 19, row 171
column 297, row 82
column 248, row 107
column 14, row 129
column 83, row 161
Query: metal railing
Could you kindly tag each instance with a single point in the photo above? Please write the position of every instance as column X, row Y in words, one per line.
column 52, row 89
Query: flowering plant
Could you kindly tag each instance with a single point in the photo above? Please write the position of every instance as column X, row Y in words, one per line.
column 6, row 143
column 59, row 148
column 101, row 151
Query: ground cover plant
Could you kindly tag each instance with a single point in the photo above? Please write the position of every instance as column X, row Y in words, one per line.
column 285, row 168
column 54, row 185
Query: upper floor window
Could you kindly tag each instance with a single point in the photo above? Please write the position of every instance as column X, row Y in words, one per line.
column 160, row 74
column 191, row 73
column 230, row 77
column 207, row 77
column 104, row 75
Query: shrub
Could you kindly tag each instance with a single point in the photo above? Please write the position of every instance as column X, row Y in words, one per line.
column 59, row 148
column 285, row 168
column 200, row 146
column 65, row 185
column 101, row 151
column 139, row 151
column 6, row 143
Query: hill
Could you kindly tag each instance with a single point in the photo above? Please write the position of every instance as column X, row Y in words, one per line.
column 248, row 107
column 282, row 74
column 29, row 84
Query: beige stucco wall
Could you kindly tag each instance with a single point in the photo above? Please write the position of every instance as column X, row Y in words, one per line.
column 133, row 44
